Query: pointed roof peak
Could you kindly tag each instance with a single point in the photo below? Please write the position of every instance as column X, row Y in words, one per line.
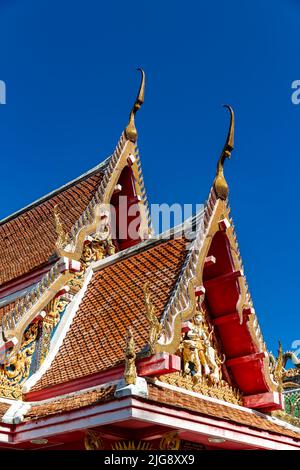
column 220, row 183
column 130, row 131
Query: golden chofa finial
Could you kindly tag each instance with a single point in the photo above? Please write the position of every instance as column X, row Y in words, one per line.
column 220, row 184
column 130, row 131
column 130, row 374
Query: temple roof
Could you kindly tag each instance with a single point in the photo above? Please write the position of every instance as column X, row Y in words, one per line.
column 95, row 313
column 27, row 237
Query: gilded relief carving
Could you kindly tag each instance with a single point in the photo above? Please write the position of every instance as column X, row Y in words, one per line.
column 201, row 361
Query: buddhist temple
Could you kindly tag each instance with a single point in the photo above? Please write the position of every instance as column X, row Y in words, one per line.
column 115, row 338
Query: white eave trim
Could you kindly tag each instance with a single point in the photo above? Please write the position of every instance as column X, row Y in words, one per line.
column 60, row 333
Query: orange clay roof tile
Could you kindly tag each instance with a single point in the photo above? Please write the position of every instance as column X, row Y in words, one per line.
column 217, row 410
column 28, row 240
column 74, row 402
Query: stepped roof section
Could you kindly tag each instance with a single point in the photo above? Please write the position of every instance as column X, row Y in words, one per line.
column 28, row 237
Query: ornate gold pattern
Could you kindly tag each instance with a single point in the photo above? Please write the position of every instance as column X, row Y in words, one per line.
column 201, row 361
column 94, row 249
column 280, row 414
column 93, row 441
column 291, row 373
column 130, row 131
column 54, row 310
column 199, row 353
column 220, row 184
column 170, row 441
column 154, row 324
column 278, row 369
column 222, row 390
column 14, row 373
column 130, row 374
column 182, row 303
column 62, row 236
column 131, row 445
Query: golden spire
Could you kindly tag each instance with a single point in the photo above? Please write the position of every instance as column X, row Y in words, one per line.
column 130, row 131
column 220, row 184
column 130, row 355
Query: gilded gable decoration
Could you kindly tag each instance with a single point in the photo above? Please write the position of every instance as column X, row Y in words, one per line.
column 201, row 360
column 130, row 373
column 17, row 370
column 89, row 239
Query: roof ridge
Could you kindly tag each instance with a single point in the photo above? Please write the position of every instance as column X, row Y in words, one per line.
column 53, row 193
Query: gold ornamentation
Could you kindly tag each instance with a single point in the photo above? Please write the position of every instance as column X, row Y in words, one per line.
column 291, row 373
column 62, row 236
column 222, row 390
column 170, row 441
column 202, row 362
column 131, row 445
column 93, row 441
column 130, row 131
column 277, row 368
column 154, row 324
column 220, row 184
column 14, row 373
column 54, row 310
column 94, row 249
column 280, row 414
column 199, row 352
column 130, row 374
column 14, row 323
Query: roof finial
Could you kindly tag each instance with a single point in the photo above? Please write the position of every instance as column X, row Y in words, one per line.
column 130, row 355
column 130, row 131
column 220, row 184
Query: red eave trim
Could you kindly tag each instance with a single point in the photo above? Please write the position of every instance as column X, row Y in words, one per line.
column 158, row 364
column 144, row 410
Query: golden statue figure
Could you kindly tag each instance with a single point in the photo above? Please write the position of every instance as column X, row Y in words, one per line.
column 130, row 374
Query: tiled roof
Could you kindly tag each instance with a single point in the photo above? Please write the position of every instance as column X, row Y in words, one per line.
column 70, row 403
column 28, row 239
column 114, row 300
column 217, row 410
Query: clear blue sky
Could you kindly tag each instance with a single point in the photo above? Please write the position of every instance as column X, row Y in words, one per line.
column 70, row 66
